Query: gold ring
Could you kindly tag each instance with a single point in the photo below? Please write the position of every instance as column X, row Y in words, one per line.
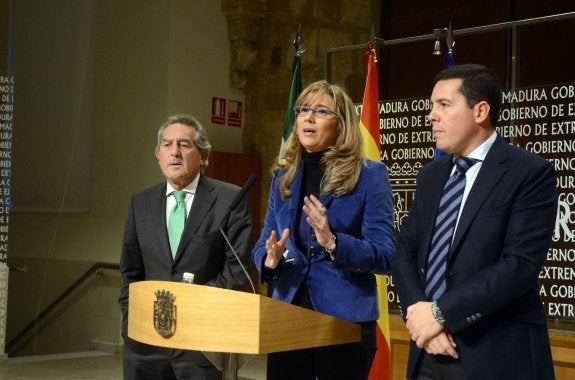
column 323, row 210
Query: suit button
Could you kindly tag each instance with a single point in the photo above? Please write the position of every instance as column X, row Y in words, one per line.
column 312, row 237
column 468, row 319
column 312, row 251
column 478, row 315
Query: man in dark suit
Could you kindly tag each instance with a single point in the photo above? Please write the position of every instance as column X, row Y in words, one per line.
column 475, row 312
column 148, row 254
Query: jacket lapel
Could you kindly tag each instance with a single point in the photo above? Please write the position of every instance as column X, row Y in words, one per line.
column 492, row 170
column 158, row 211
column 203, row 202
column 433, row 192
column 294, row 200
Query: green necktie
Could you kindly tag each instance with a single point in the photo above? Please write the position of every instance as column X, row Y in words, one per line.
column 177, row 221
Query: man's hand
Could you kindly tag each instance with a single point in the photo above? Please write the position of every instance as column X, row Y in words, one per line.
column 442, row 344
column 421, row 324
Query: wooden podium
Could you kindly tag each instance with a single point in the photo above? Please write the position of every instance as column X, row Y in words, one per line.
column 216, row 320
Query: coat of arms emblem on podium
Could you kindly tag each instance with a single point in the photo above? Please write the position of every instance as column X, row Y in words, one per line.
column 165, row 313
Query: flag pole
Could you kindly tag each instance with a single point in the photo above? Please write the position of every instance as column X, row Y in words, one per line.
column 369, row 127
column 449, row 62
column 295, row 90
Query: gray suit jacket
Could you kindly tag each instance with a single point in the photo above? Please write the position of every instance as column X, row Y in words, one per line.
column 203, row 251
column 491, row 305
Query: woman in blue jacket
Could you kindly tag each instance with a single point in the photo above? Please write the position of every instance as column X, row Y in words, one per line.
column 327, row 232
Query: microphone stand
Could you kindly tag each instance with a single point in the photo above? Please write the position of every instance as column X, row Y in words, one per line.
column 238, row 259
column 230, row 361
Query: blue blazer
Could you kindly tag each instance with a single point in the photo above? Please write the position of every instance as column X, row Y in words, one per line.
column 363, row 224
column 491, row 305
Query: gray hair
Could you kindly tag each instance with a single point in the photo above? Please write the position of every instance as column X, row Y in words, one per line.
column 200, row 137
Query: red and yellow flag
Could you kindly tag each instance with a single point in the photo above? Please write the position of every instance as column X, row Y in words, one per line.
column 369, row 120
column 369, row 126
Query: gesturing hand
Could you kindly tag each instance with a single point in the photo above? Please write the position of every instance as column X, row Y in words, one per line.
column 317, row 219
column 275, row 249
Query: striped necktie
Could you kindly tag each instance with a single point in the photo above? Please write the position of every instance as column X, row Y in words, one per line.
column 445, row 228
column 177, row 220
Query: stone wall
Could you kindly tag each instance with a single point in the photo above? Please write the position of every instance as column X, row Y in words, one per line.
column 261, row 34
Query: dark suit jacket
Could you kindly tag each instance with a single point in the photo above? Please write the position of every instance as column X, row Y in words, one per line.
column 492, row 304
column 203, row 251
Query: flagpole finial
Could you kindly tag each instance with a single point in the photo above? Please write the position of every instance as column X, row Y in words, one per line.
column 370, row 52
column 373, row 40
column 298, row 42
column 449, row 38
column 450, row 59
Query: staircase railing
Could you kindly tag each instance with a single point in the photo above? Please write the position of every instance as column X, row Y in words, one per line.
column 58, row 301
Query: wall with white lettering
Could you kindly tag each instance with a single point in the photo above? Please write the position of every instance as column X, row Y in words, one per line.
column 6, row 104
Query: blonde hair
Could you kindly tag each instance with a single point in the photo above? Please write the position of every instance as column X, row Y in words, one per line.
column 341, row 161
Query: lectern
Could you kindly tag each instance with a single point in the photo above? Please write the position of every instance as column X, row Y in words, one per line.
column 214, row 320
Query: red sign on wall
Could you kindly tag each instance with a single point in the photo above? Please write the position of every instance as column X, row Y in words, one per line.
column 235, row 114
column 218, row 110
column 223, row 109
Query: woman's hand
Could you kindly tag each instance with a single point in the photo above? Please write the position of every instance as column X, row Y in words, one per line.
column 275, row 249
column 317, row 219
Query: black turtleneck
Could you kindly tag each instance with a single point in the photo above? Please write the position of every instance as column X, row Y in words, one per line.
column 312, row 174
column 311, row 180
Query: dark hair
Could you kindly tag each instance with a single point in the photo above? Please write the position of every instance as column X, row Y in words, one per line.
column 479, row 83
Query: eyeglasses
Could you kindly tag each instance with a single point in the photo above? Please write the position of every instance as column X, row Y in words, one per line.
column 321, row 112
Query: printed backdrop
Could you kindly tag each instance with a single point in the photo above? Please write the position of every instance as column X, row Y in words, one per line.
column 539, row 119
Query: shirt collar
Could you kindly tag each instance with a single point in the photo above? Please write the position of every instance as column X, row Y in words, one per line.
column 480, row 152
column 190, row 188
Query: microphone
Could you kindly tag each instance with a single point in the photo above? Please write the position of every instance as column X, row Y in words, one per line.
column 235, row 202
column 243, row 191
